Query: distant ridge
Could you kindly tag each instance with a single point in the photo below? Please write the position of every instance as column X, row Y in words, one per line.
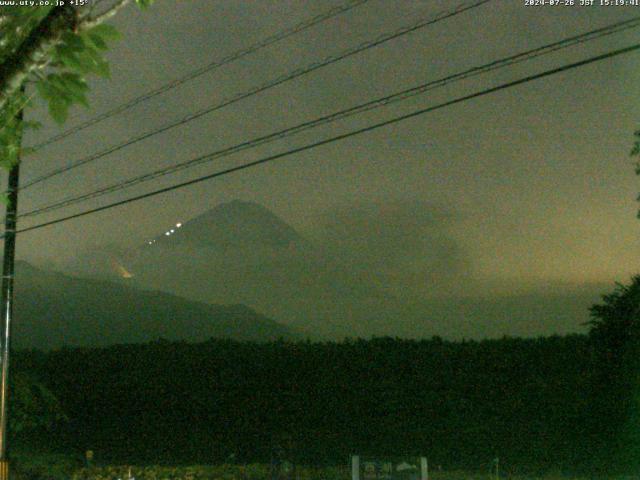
column 53, row 310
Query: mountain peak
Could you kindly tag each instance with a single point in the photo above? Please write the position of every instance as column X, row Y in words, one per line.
column 236, row 224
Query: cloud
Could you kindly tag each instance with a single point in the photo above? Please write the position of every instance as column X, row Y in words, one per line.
column 396, row 245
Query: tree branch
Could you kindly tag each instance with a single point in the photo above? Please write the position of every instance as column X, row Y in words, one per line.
column 104, row 16
column 33, row 51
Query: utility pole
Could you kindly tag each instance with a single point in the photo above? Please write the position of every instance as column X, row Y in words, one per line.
column 6, row 309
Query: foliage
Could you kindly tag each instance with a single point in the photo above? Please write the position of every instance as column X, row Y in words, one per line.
column 262, row 472
column 207, row 472
column 616, row 322
column 73, row 58
column 33, row 406
column 59, row 76
column 58, row 73
column 458, row 403
column 635, row 152
column 43, row 466
column 156, row 472
column 11, row 131
column 615, row 336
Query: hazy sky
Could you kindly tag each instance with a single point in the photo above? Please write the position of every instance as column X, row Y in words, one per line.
column 536, row 180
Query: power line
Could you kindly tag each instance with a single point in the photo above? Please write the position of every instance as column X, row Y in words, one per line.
column 281, row 35
column 268, row 85
column 271, row 84
column 364, row 107
column 343, row 136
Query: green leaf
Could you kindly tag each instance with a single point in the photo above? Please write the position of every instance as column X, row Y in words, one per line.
column 99, row 64
column 103, row 70
column 44, row 90
column 142, row 4
column 58, row 109
column 73, row 42
column 105, row 32
column 73, row 80
column 85, row 61
column 70, row 59
column 59, row 89
column 97, row 41
column 80, row 98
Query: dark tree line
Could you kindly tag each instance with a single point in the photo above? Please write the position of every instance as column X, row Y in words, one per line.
column 615, row 390
column 556, row 403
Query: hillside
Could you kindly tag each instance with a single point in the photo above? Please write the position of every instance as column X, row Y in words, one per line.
column 54, row 310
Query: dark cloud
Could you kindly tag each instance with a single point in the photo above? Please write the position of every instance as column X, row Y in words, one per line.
column 395, row 245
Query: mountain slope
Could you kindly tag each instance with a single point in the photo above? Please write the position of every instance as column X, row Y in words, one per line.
column 54, row 310
column 235, row 224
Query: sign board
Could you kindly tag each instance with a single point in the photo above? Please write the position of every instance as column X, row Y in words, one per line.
column 368, row 468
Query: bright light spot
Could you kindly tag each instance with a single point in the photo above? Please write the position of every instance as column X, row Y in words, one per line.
column 124, row 273
column 172, row 230
column 167, row 233
column 178, row 225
